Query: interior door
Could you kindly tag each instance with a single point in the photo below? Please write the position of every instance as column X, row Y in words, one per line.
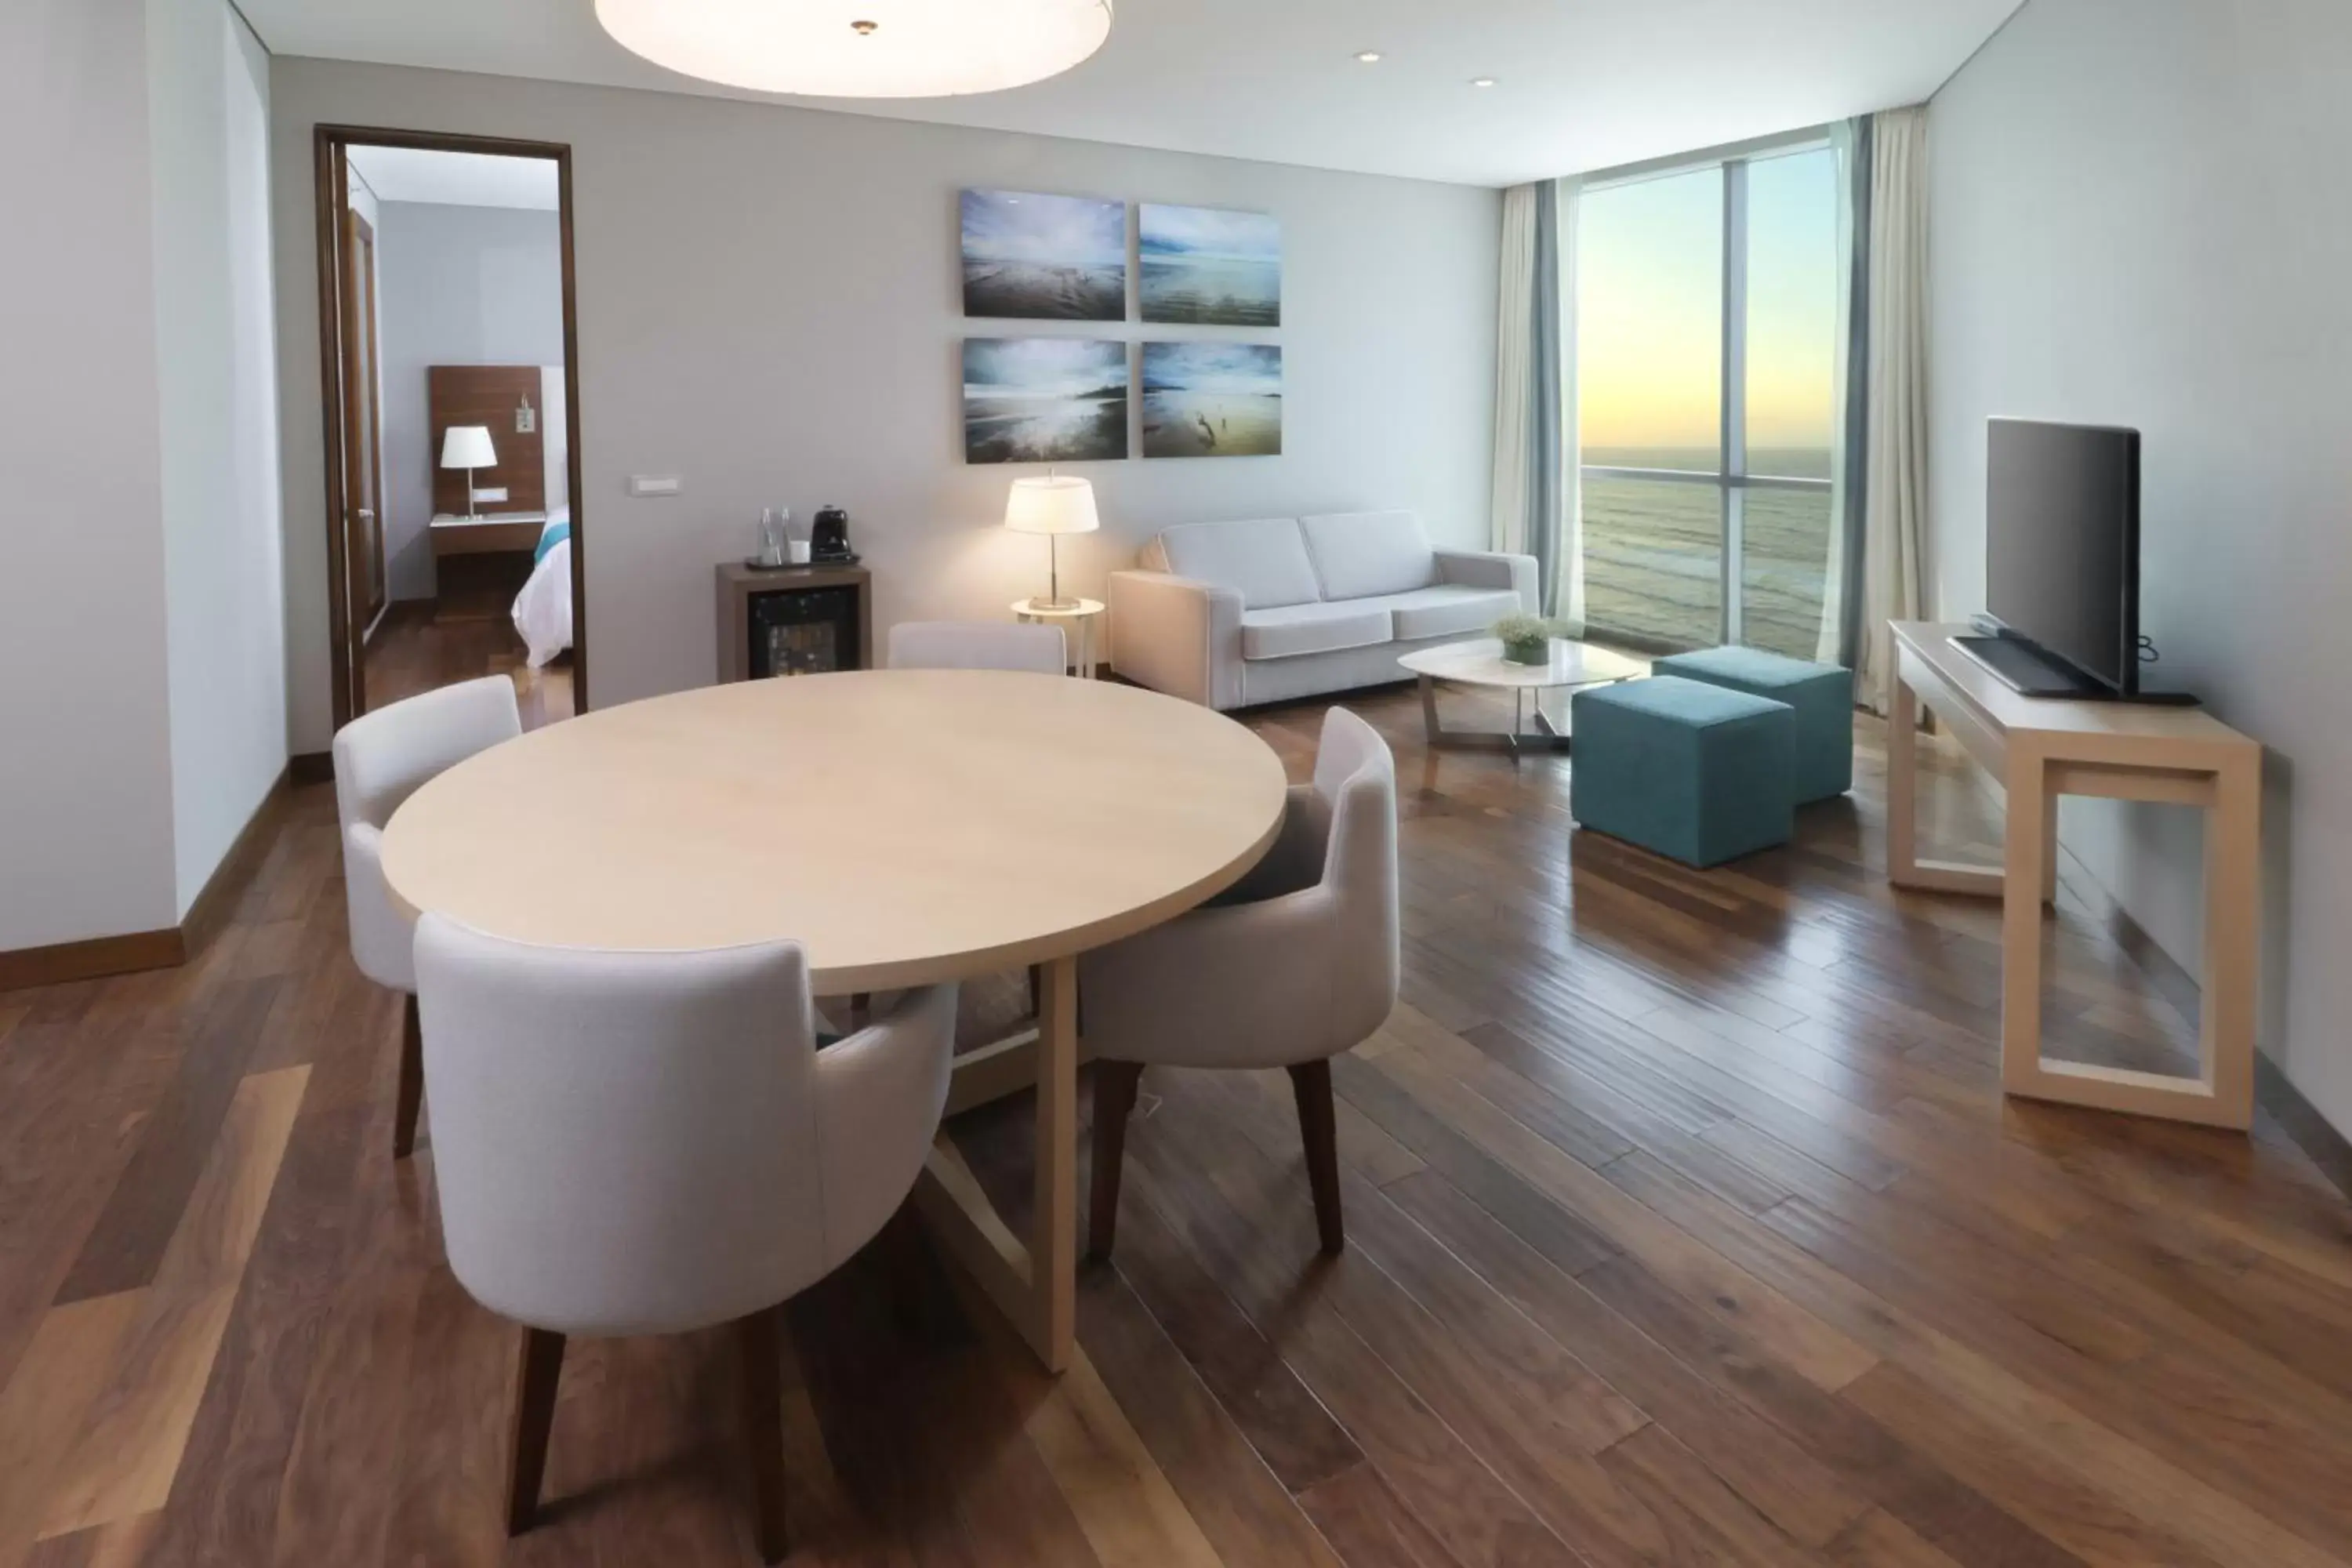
column 363, row 558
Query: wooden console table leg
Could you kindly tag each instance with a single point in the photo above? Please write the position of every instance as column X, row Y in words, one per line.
column 2233, row 847
column 2049, row 849
column 2026, row 867
column 1901, row 785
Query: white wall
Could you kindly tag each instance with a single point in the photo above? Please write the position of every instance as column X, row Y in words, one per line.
column 2138, row 219
column 769, row 306
column 86, row 799
column 215, row 373
column 460, row 285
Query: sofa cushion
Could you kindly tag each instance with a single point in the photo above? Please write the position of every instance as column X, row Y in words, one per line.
column 1291, row 630
column 1448, row 610
column 1360, row 555
column 1265, row 561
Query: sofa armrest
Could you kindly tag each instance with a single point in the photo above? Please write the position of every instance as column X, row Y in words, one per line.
column 1177, row 636
column 1493, row 569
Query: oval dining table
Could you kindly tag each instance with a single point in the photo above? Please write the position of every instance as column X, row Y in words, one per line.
column 906, row 827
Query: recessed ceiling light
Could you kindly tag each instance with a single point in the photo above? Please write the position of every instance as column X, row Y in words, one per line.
column 1368, row 56
column 826, row 49
column 1482, row 81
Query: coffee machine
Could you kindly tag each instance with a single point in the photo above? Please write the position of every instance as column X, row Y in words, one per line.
column 829, row 538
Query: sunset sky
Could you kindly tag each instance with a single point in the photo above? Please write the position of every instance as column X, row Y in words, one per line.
column 1649, row 329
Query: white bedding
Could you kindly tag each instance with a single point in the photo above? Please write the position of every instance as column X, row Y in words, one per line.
column 542, row 611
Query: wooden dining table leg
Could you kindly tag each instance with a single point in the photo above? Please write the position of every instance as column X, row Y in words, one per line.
column 1054, row 1222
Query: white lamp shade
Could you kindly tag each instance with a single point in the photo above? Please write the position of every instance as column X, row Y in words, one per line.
column 862, row 49
column 467, row 447
column 1052, row 505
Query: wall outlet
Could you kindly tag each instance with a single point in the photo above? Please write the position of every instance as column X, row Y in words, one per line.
column 654, row 484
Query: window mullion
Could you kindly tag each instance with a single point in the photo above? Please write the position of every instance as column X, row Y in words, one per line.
column 1733, row 400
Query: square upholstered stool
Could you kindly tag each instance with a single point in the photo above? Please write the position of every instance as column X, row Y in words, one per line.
column 1822, row 695
column 1701, row 773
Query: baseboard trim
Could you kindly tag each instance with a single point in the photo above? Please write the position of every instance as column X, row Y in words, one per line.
column 2301, row 1121
column 93, row 959
column 100, row 956
column 209, row 910
column 311, row 767
column 2274, row 1092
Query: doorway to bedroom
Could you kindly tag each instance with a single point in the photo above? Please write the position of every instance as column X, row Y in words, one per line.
column 449, row 375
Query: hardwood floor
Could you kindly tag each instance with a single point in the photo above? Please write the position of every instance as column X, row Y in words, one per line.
column 1685, row 1226
column 413, row 652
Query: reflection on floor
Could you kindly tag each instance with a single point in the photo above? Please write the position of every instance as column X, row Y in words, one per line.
column 1687, row 1225
column 412, row 652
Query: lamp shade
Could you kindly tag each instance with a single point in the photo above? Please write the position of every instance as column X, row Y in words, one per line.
column 861, row 48
column 1052, row 505
column 467, row 447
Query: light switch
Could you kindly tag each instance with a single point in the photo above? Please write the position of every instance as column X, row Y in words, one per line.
column 654, row 484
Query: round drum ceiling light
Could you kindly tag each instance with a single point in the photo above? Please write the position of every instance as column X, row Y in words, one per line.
column 861, row 48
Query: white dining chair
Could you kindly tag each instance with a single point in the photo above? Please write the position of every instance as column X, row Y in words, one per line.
column 653, row 1143
column 381, row 759
column 978, row 645
column 1295, row 964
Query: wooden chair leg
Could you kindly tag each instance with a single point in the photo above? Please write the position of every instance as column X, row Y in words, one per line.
column 1036, row 990
column 761, row 1334
column 534, row 1416
column 411, row 1083
column 1319, row 1128
column 1115, row 1084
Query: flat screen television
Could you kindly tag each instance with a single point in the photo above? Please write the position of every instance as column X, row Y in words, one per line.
column 2061, row 558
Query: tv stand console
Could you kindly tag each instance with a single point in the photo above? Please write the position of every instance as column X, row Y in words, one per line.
column 2040, row 749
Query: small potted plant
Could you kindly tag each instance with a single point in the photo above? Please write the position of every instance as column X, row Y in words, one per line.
column 1526, row 639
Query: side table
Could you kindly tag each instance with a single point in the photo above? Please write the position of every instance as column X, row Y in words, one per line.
column 1078, row 623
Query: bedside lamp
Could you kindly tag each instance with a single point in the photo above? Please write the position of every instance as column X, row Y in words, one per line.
column 1052, row 506
column 467, row 447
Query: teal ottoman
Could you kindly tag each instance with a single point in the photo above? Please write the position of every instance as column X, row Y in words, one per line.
column 1698, row 772
column 1822, row 695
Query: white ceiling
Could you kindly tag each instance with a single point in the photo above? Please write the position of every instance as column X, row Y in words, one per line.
column 457, row 179
column 1582, row 84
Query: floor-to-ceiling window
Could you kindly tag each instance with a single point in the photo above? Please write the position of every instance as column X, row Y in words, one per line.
column 1706, row 328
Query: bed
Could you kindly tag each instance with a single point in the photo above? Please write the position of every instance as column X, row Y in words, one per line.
column 542, row 611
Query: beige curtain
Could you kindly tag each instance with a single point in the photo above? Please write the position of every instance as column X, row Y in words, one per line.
column 1895, row 523
column 1536, row 509
column 1515, row 332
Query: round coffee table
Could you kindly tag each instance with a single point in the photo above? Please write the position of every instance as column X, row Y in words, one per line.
column 905, row 826
column 1480, row 663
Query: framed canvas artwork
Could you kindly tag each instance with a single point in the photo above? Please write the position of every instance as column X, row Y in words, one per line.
column 1044, row 400
column 1041, row 258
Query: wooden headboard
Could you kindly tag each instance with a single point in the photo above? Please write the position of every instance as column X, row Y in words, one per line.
column 491, row 395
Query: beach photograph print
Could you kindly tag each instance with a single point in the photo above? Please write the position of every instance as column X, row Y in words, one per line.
column 1047, row 259
column 1044, row 400
column 1210, row 269
column 1211, row 400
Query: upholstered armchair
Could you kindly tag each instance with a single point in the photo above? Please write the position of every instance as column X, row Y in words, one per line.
column 381, row 759
column 978, row 645
column 652, row 1143
column 1295, row 965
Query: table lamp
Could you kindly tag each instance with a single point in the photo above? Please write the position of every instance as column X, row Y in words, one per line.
column 467, row 447
column 1052, row 506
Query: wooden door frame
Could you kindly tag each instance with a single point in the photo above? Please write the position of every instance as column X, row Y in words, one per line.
column 367, row 303
column 332, row 191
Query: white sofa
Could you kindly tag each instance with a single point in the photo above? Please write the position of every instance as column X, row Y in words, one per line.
column 1231, row 615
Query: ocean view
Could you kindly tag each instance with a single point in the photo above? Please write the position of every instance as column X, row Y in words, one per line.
column 1653, row 555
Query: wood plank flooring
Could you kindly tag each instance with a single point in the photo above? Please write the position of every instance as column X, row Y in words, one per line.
column 1687, row 1226
column 412, row 651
